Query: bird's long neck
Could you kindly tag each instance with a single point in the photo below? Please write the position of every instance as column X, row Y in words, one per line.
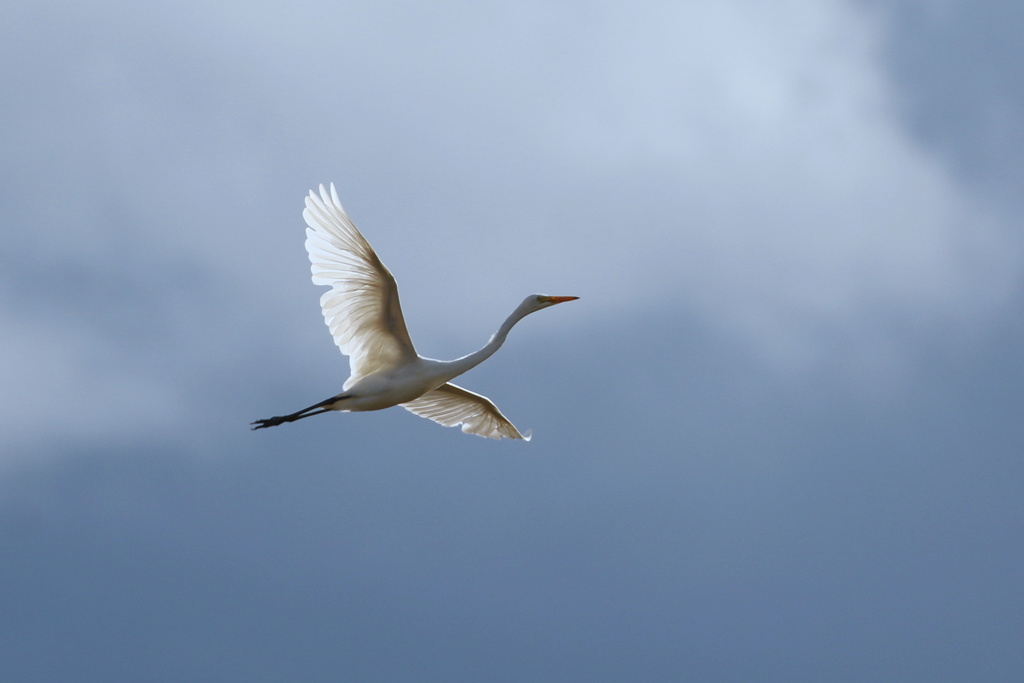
column 461, row 365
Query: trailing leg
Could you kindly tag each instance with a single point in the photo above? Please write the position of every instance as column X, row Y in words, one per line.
column 305, row 412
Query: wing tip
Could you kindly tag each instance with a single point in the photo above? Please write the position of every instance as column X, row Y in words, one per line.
column 327, row 196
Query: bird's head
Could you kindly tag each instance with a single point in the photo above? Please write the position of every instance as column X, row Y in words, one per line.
column 535, row 302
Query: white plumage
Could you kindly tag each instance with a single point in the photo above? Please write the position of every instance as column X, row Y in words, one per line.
column 364, row 315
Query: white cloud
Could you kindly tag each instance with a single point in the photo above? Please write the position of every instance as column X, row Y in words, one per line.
column 749, row 159
column 739, row 160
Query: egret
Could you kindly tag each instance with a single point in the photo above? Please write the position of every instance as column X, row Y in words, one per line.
column 364, row 315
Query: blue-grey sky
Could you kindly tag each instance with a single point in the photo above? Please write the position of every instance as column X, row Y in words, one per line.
column 779, row 438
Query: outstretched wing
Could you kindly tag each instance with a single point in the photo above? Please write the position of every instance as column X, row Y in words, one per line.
column 362, row 308
column 451, row 405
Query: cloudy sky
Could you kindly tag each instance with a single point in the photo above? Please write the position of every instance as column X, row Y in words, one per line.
column 778, row 438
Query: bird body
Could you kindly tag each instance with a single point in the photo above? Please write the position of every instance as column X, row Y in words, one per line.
column 364, row 315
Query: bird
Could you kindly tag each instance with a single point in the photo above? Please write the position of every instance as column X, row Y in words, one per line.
column 363, row 313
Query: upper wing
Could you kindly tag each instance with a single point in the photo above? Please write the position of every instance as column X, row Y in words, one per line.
column 362, row 308
column 450, row 405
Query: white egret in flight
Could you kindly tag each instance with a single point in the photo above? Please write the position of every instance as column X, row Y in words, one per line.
column 364, row 315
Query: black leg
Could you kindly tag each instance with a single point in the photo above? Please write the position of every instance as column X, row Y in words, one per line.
column 305, row 412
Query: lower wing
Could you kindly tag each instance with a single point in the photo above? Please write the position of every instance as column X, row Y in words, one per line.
column 451, row 405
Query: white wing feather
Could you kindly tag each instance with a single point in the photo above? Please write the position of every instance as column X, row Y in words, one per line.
column 451, row 405
column 362, row 308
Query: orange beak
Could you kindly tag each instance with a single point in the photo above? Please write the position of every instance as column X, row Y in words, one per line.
column 561, row 299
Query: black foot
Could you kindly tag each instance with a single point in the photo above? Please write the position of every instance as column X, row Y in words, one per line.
column 269, row 422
